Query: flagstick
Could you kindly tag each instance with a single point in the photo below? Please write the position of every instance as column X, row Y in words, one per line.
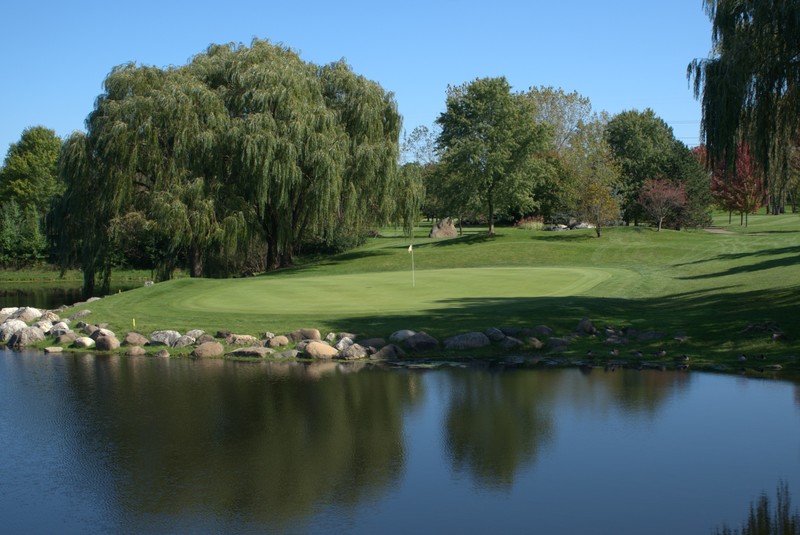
column 413, row 280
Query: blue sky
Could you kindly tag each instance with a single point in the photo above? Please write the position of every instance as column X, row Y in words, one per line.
column 622, row 54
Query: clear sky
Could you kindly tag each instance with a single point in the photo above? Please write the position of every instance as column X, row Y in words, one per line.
column 622, row 54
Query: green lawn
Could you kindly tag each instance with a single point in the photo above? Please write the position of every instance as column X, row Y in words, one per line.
column 719, row 289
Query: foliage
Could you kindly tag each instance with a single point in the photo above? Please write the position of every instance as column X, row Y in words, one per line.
column 244, row 151
column 489, row 145
column 598, row 205
column 750, row 84
column 22, row 242
column 737, row 186
column 564, row 112
column 661, row 198
column 530, row 223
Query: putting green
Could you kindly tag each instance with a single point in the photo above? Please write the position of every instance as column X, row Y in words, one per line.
column 381, row 293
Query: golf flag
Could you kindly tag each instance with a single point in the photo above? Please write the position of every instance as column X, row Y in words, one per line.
column 410, row 248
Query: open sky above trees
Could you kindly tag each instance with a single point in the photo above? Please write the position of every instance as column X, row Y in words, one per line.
column 621, row 55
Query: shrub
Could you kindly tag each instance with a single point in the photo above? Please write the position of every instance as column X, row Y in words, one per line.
column 530, row 223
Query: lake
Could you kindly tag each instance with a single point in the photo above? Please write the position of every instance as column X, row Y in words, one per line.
column 98, row 444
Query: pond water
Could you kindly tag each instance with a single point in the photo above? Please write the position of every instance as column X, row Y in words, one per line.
column 113, row 444
column 47, row 296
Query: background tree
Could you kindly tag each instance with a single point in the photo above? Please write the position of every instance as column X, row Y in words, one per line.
column 29, row 185
column 738, row 186
column 750, row 85
column 564, row 112
column 661, row 198
column 489, row 143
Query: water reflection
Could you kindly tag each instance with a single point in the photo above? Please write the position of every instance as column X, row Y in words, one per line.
column 265, row 441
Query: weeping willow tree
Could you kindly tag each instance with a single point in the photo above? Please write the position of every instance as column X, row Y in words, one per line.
column 750, row 84
column 242, row 145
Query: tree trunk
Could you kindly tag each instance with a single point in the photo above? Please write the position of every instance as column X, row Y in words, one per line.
column 491, row 216
column 196, row 261
column 660, row 220
column 730, row 216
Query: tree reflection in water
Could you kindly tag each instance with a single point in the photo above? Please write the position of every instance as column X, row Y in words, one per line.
column 764, row 520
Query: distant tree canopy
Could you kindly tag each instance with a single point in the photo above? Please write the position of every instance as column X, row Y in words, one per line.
column 245, row 154
column 750, row 85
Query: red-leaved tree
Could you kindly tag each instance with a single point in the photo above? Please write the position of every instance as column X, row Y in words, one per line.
column 661, row 198
column 737, row 186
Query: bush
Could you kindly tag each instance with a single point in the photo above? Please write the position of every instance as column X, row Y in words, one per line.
column 530, row 223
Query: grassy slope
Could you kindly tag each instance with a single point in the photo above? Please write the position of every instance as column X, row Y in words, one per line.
column 712, row 286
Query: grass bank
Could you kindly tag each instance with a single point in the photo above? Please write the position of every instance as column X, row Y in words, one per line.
column 724, row 291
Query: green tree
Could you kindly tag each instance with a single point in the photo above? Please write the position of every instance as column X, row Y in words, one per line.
column 564, row 112
column 750, row 85
column 489, row 145
column 29, row 174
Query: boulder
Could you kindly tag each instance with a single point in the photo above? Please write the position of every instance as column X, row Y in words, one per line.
column 59, row 328
column 89, row 329
column 242, row 340
column 135, row 351
column 67, row 338
column 27, row 314
column 162, row 354
column 83, row 342
column 535, row 343
column 195, row 333
column 134, row 339
column 164, row 338
column 253, row 351
column 45, row 325
column 330, row 337
column 389, row 352
column 343, row 344
column 223, row 334
column 509, row 343
column 557, row 344
column 53, row 349
column 93, row 299
column 354, row 352
column 80, row 314
column 375, row 343
column 26, row 337
column 10, row 327
column 305, row 334
column 421, row 341
column 101, row 332
column 208, row 349
column 278, row 341
column 106, row 343
column 543, row 330
column 288, row 354
column 471, row 340
column 184, row 341
column 398, row 337
column 204, row 338
column 49, row 315
column 443, row 229
column 586, row 327
column 494, row 334
column 8, row 311
column 320, row 350
column 268, row 335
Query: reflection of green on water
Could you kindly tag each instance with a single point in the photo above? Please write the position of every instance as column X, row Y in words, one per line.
column 763, row 519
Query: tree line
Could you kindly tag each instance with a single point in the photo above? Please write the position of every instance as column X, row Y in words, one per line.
column 248, row 156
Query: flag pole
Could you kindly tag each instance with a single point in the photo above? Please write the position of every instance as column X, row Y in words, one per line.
column 413, row 280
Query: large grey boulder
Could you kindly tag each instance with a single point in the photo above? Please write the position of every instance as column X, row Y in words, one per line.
column 208, row 349
column 196, row 333
column 471, row 340
column 509, row 343
column 9, row 328
column 49, row 315
column 354, row 352
column 586, row 327
column 557, row 344
column 320, row 350
column 45, row 325
column 134, row 339
column 83, row 342
column 389, row 352
column 26, row 337
column 106, row 343
column 67, row 338
column 59, row 328
column 305, row 334
column 374, row 343
column 164, row 338
column 400, row 336
column 27, row 314
column 101, row 332
column 135, row 351
column 443, row 229
column 343, row 344
column 80, row 314
column 254, row 351
column 421, row 341
column 543, row 330
column 242, row 340
column 278, row 341
column 494, row 334
column 184, row 341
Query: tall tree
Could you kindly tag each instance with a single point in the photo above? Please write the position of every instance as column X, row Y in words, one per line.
column 489, row 143
column 750, row 84
column 564, row 112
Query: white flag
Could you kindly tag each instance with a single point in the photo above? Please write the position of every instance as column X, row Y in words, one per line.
column 410, row 248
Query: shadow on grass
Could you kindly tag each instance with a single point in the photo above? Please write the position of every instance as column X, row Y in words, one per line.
column 782, row 261
column 467, row 239
column 565, row 235
column 315, row 263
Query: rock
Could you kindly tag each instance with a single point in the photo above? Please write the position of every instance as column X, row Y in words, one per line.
column 204, row 338
column 59, row 328
column 305, row 334
column 10, row 327
column 134, row 339
column 93, row 299
column 80, row 314
column 509, row 343
column 83, row 342
column 330, row 337
column 278, row 341
column 135, row 351
column 164, row 338
column 253, row 351
column 398, row 337
column 242, row 340
column 106, row 343
column 268, row 336
column 288, row 354
column 421, row 341
column 494, row 334
column 53, row 349
column 89, row 329
column 49, row 315
column 301, row 345
column 223, row 334
column 184, row 341
column 586, row 327
column 26, row 337
column 8, row 311
column 375, row 343
column 149, row 283
column 162, row 354
column 389, row 352
column 80, row 324
column 443, row 229
column 535, row 343
column 557, row 344
column 616, row 340
column 45, row 325
column 101, row 332
column 354, row 352
column 543, row 330
column 208, row 349
column 649, row 336
column 319, row 350
column 471, row 340
column 67, row 338
column 27, row 314
column 195, row 333
column 343, row 344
